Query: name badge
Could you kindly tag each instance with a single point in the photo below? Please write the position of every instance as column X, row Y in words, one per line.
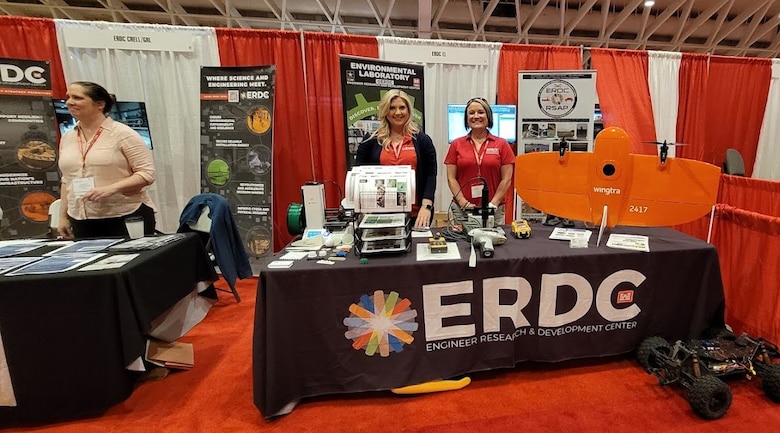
column 82, row 185
column 476, row 191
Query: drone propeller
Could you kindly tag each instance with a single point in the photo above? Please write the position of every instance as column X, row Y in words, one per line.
column 664, row 152
column 665, row 143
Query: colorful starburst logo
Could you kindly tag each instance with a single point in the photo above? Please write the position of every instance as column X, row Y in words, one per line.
column 381, row 323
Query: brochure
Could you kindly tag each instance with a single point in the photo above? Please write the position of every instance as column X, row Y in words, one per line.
column 83, row 247
column 374, row 221
column 8, row 263
column 385, row 245
column 567, row 234
column 383, row 233
column 110, row 262
column 56, row 264
column 14, row 249
column 147, row 243
column 629, row 242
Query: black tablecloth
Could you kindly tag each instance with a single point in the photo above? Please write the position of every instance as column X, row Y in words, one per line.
column 68, row 337
column 317, row 330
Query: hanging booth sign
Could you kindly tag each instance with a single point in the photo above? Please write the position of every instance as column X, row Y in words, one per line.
column 29, row 178
column 237, row 117
column 363, row 82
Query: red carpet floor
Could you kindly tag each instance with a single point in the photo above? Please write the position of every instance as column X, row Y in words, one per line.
column 602, row 395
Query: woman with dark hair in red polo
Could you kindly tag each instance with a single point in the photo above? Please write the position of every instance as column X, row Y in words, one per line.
column 479, row 155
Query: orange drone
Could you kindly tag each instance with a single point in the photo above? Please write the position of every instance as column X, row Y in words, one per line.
column 613, row 184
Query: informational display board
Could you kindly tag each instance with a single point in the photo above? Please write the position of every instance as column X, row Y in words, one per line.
column 29, row 178
column 363, row 82
column 553, row 106
column 237, row 117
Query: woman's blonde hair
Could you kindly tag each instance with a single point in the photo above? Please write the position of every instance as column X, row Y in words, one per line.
column 382, row 133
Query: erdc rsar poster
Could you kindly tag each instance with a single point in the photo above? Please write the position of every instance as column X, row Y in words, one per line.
column 237, row 112
column 363, row 82
column 29, row 176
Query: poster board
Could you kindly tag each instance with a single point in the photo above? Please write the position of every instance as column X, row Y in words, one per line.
column 29, row 174
column 363, row 82
column 237, row 119
column 552, row 106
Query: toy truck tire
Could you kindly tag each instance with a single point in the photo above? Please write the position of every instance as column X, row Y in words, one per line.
column 709, row 397
column 770, row 382
column 645, row 352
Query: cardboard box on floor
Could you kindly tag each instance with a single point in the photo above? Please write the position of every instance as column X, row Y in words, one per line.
column 170, row 355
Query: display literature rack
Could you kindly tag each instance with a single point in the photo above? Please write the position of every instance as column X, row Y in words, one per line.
column 382, row 234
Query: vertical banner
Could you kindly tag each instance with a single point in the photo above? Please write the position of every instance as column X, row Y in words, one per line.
column 236, row 148
column 554, row 106
column 363, row 82
column 29, row 178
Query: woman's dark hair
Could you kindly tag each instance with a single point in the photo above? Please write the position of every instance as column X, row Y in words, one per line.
column 98, row 93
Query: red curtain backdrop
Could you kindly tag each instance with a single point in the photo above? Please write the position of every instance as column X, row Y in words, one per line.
column 692, row 106
column 738, row 88
column 514, row 58
column 754, row 195
column 624, row 95
column 33, row 39
column 292, row 159
column 749, row 250
column 326, row 112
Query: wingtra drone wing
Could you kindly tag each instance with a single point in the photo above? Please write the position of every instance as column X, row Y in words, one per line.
column 637, row 190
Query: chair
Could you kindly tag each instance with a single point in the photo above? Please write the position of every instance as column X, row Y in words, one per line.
column 209, row 215
column 54, row 217
column 734, row 164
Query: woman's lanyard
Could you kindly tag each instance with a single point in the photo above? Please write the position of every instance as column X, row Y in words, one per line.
column 397, row 149
column 91, row 143
column 479, row 154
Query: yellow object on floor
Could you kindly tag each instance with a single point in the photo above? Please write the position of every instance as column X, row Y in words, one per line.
column 433, row 386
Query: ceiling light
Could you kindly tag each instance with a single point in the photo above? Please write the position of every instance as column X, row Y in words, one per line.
column 649, row 3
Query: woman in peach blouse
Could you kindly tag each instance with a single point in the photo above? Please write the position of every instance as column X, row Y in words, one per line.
column 105, row 167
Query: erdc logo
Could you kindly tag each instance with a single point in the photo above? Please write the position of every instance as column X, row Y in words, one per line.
column 15, row 74
column 557, row 98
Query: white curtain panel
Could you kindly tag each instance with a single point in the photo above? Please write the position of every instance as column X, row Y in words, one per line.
column 447, row 83
column 663, row 79
column 768, row 151
column 169, row 84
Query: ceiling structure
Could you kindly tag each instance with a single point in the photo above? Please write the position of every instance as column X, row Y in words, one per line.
column 748, row 28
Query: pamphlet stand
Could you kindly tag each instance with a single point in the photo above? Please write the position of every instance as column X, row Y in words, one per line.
column 377, row 233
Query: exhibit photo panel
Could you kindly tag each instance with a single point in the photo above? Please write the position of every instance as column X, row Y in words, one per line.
column 363, row 82
column 555, row 109
column 29, row 178
column 237, row 117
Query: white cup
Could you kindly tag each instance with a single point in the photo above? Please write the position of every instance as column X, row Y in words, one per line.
column 135, row 227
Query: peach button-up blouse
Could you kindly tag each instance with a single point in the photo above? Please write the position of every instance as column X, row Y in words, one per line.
column 116, row 154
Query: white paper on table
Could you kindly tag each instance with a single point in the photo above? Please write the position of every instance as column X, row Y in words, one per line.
column 294, row 255
column 629, row 242
column 56, row 264
column 8, row 263
column 424, row 252
column 422, row 233
column 280, row 264
column 564, row 234
column 84, row 247
column 110, row 262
